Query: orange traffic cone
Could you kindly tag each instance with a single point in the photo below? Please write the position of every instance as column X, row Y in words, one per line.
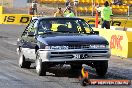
column 96, row 19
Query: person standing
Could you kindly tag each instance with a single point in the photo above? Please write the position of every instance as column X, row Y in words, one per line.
column 68, row 13
column 67, row 3
column 59, row 13
column 106, row 15
column 76, row 3
column 34, row 7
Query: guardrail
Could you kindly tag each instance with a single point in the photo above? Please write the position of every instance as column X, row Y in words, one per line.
column 15, row 19
column 116, row 22
column 25, row 19
column 1, row 9
column 120, row 42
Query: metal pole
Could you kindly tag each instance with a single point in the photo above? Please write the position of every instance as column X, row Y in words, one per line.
column 128, row 11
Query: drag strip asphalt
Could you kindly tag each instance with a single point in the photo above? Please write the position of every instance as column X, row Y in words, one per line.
column 11, row 76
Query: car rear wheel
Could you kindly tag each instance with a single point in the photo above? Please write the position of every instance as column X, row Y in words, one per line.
column 101, row 68
column 22, row 62
column 40, row 66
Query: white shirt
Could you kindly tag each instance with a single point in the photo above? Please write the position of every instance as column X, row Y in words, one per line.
column 75, row 0
column 33, row 4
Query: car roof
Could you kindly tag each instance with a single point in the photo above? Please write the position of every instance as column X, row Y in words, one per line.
column 67, row 18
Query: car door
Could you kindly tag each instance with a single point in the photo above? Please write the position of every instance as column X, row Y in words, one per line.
column 28, row 39
column 31, row 39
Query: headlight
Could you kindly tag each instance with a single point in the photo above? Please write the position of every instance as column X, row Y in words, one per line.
column 56, row 47
column 98, row 46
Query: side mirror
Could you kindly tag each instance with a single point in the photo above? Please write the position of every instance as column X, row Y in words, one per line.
column 94, row 32
column 30, row 34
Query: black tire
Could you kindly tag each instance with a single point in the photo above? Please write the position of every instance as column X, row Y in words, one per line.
column 101, row 68
column 40, row 66
column 75, row 70
column 76, row 66
column 22, row 62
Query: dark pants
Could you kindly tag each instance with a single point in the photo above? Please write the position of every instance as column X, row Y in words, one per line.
column 67, row 3
column 34, row 11
column 105, row 24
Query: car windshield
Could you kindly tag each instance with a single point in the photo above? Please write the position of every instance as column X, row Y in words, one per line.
column 64, row 26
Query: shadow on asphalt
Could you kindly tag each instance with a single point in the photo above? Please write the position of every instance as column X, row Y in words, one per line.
column 72, row 73
column 66, row 71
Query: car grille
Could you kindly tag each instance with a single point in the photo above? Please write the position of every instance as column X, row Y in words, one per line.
column 79, row 52
column 84, row 51
column 82, row 54
column 79, row 47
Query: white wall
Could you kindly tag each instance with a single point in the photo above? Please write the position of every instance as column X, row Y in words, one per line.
column 19, row 3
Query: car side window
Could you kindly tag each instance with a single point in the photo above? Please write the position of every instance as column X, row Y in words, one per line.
column 86, row 26
column 44, row 27
column 30, row 27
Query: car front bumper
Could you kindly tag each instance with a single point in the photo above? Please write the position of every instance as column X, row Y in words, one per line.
column 74, row 55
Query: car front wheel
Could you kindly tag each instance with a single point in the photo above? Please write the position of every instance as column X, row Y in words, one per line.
column 40, row 66
column 101, row 68
column 22, row 62
column 76, row 69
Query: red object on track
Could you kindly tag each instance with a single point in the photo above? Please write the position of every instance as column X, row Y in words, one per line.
column 31, row 11
column 84, row 77
column 96, row 19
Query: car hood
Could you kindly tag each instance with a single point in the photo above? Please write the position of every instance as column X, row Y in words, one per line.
column 71, row 39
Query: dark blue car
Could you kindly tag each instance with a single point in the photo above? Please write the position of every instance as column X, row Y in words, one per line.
column 50, row 41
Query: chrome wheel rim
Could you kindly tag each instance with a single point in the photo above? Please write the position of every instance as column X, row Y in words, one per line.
column 20, row 60
column 38, row 65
